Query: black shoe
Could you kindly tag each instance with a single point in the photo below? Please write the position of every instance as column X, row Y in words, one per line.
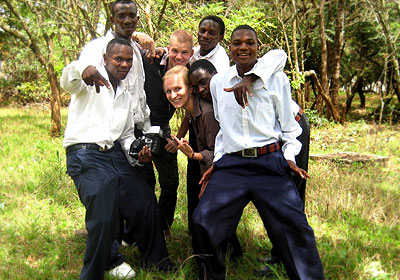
column 270, row 260
column 266, row 271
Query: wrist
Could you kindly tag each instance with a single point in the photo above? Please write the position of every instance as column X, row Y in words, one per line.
column 192, row 155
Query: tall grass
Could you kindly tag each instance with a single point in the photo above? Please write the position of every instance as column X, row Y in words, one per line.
column 352, row 208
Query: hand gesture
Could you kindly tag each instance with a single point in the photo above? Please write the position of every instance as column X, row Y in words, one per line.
column 92, row 77
column 184, row 146
column 241, row 90
column 302, row 173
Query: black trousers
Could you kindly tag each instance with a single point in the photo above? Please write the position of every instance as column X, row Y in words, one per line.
column 109, row 188
column 267, row 183
column 167, row 167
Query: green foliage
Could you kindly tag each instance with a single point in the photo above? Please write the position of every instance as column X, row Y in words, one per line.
column 32, row 92
column 315, row 119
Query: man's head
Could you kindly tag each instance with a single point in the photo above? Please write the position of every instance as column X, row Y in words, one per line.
column 180, row 48
column 244, row 46
column 200, row 74
column 118, row 59
column 211, row 32
column 124, row 17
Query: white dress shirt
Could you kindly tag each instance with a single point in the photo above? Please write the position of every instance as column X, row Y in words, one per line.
column 92, row 54
column 218, row 57
column 267, row 119
column 100, row 118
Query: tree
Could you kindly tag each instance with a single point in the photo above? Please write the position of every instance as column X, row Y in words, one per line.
column 48, row 29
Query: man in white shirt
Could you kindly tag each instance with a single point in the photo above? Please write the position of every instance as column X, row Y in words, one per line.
column 250, row 165
column 210, row 34
column 98, row 137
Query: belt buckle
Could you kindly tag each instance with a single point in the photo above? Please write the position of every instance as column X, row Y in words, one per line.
column 249, row 153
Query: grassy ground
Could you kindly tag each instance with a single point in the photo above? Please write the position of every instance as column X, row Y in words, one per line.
column 352, row 208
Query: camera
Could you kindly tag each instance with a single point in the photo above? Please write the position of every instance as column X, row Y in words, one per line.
column 152, row 139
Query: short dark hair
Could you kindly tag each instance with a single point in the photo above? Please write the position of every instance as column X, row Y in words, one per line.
column 117, row 41
column 217, row 20
column 121, row 2
column 244, row 27
column 202, row 64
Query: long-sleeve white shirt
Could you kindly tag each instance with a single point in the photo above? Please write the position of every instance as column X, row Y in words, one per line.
column 92, row 54
column 99, row 118
column 267, row 119
column 218, row 57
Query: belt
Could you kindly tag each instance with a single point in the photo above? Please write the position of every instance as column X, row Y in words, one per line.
column 299, row 115
column 87, row 146
column 254, row 152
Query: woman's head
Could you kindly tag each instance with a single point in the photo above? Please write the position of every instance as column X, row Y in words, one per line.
column 177, row 86
column 200, row 74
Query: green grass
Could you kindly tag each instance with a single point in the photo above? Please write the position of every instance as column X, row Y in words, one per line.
column 352, row 208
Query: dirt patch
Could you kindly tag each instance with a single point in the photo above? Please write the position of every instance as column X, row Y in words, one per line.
column 348, row 157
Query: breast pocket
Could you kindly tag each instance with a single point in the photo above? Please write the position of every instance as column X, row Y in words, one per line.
column 265, row 115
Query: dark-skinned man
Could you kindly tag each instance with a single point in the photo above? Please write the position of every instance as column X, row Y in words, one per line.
column 97, row 140
column 251, row 165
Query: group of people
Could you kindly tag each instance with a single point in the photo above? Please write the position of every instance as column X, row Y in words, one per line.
column 246, row 135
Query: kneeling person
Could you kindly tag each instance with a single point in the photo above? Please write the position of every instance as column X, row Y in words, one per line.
column 98, row 137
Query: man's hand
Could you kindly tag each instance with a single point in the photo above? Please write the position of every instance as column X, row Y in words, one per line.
column 171, row 146
column 92, row 77
column 241, row 90
column 160, row 52
column 302, row 173
column 204, row 180
column 146, row 42
column 145, row 154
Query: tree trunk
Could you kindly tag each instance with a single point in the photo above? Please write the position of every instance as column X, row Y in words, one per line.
column 55, row 101
column 323, row 95
column 334, row 90
column 324, row 56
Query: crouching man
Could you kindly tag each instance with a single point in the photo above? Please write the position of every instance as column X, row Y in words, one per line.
column 97, row 140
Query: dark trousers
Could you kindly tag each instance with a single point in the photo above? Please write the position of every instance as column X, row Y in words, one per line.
column 267, row 183
column 110, row 188
column 302, row 162
column 167, row 168
column 192, row 179
column 302, row 157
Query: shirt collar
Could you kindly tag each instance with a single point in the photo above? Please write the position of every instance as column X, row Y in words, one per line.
column 210, row 54
column 196, row 106
column 120, row 86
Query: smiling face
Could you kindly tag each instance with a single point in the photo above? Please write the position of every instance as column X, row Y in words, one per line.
column 200, row 81
column 244, row 48
column 118, row 62
column 125, row 20
column 208, row 36
column 176, row 90
column 179, row 53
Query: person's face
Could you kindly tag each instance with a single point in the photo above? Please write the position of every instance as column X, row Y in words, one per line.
column 119, row 61
column 200, row 81
column 179, row 53
column 125, row 19
column 177, row 92
column 208, row 35
column 244, row 47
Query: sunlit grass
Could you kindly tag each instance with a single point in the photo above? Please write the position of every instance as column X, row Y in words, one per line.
column 353, row 208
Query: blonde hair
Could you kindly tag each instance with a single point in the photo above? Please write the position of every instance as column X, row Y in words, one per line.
column 180, row 70
column 181, row 36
